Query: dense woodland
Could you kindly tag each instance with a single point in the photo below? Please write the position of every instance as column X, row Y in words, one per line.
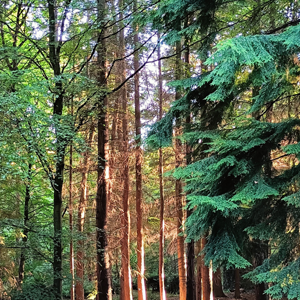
column 149, row 149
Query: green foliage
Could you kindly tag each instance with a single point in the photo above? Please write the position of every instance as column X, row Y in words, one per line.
column 236, row 192
column 34, row 291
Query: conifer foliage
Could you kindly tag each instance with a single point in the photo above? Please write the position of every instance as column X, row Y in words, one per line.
column 237, row 191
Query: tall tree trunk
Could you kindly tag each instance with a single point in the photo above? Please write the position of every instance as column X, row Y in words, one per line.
column 72, row 294
column 161, row 272
column 79, row 290
column 101, row 195
column 190, row 252
column 126, row 271
column 178, row 189
column 205, row 274
column 138, row 170
column 217, row 284
column 61, row 143
column 260, row 252
column 26, row 219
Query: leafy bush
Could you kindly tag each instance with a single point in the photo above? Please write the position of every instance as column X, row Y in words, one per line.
column 34, row 291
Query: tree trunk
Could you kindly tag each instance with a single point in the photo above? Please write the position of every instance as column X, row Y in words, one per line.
column 237, row 294
column 26, row 219
column 205, row 274
column 72, row 293
column 138, row 169
column 101, row 195
column 190, row 253
column 198, row 268
column 101, row 208
column 161, row 272
column 126, row 271
column 178, row 189
column 260, row 254
column 57, row 219
column 79, row 290
column 217, row 284
column 61, row 143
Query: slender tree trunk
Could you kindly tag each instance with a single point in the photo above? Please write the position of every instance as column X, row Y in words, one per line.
column 260, row 252
column 237, row 294
column 57, row 218
column 161, row 272
column 198, row 268
column 61, row 143
column 26, row 219
column 101, row 195
column 126, row 271
column 72, row 294
column 217, row 284
column 205, row 274
column 79, row 290
column 138, row 169
column 178, row 189
column 190, row 253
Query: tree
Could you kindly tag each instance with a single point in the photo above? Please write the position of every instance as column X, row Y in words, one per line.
column 79, row 290
column 161, row 272
column 138, row 171
column 125, row 248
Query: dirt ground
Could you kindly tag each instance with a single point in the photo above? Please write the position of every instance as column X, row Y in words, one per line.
column 244, row 296
column 155, row 296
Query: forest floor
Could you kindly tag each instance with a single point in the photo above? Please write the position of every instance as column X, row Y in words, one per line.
column 249, row 295
column 150, row 296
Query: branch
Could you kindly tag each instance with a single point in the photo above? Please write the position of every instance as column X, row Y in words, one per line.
column 291, row 23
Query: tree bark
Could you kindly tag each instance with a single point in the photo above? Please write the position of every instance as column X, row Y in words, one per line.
column 205, row 274
column 178, row 189
column 126, row 271
column 79, row 289
column 138, row 169
column 217, row 284
column 102, row 171
column 259, row 255
column 237, row 293
column 26, row 219
column 161, row 272
column 198, row 268
column 60, row 145
column 190, row 252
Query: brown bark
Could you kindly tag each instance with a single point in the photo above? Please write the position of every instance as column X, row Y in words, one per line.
column 217, row 284
column 138, row 168
column 198, row 270
column 161, row 272
column 126, row 271
column 205, row 275
column 102, row 171
column 178, row 190
column 237, row 293
column 79, row 290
